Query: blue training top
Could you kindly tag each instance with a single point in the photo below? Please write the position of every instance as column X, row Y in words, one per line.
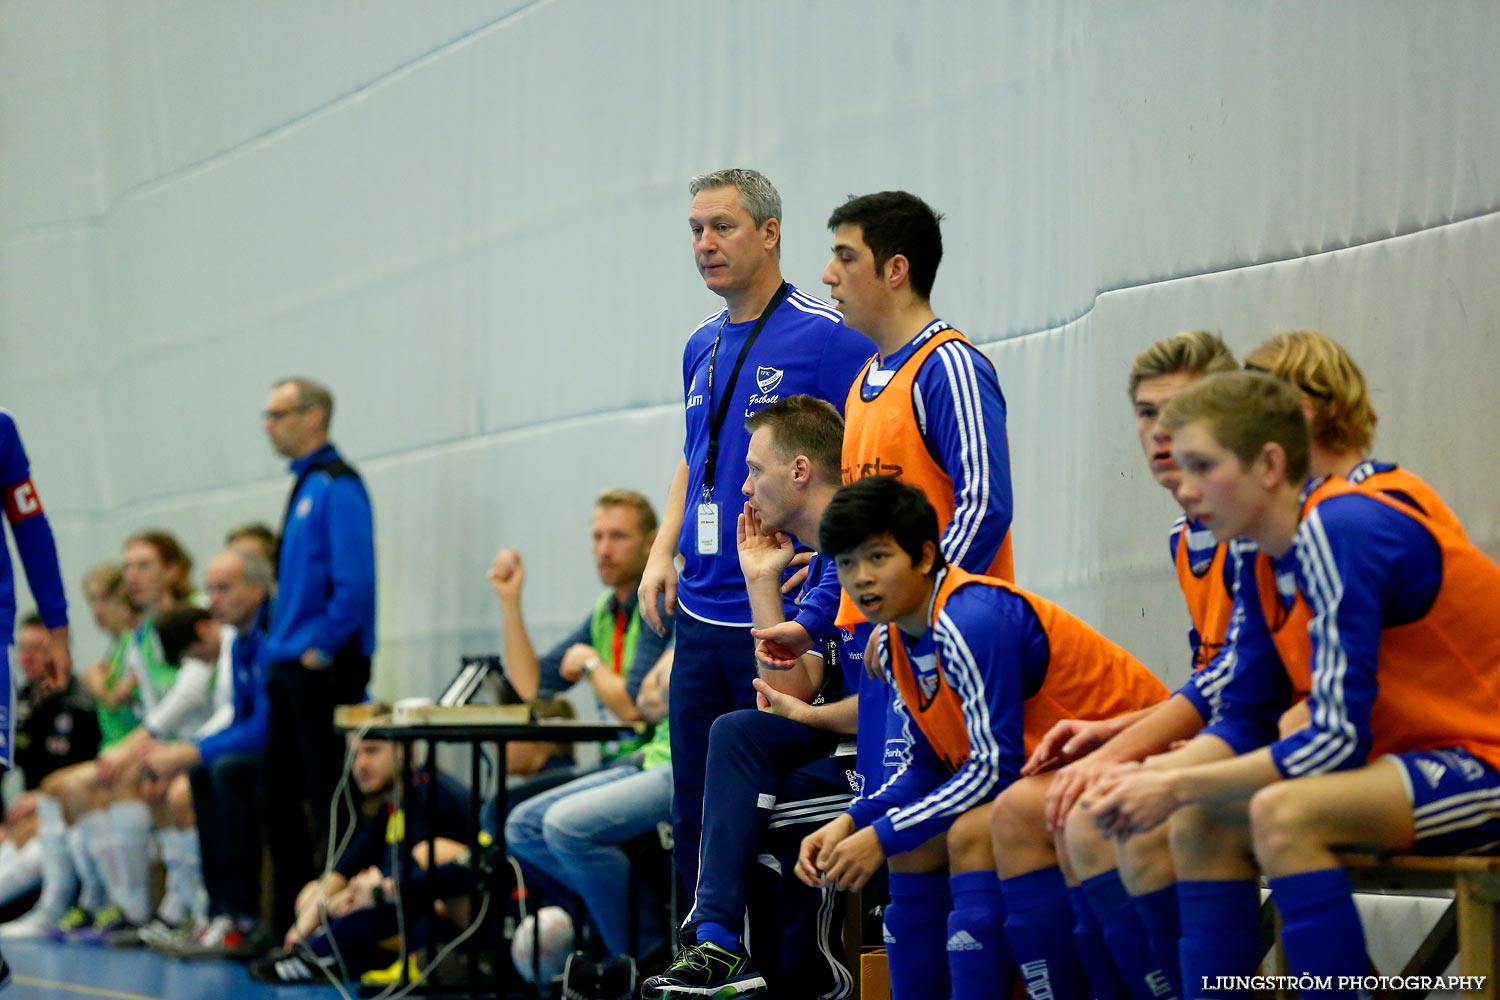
column 803, row 348
column 34, row 542
column 960, row 413
column 1385, row 569
column 252, row 706
column 1001, row 661
column 325, row 583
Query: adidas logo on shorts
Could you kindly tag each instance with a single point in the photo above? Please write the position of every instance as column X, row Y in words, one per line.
column 1431, row 770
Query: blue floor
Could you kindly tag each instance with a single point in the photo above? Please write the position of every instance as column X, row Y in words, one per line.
column 44, row 970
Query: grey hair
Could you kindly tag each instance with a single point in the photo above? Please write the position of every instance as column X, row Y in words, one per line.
column 312, row 394
column 255, row 569
column 758, row 196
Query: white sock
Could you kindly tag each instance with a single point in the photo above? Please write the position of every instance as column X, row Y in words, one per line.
column 94, row 833
column 59, row 880
column 91, row 895
column 129, row 848
column 20, row 869
column 184, row 867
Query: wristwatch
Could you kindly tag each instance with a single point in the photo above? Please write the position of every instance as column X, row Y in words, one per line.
column 587, row 670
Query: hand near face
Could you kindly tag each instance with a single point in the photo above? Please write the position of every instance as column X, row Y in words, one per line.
column 764, row 555
column 794, row 582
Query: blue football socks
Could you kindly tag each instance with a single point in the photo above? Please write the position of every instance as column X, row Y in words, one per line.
column 915, row 934
column 1039, row 926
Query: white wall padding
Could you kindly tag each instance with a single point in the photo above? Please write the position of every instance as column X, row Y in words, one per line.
column 468, row 218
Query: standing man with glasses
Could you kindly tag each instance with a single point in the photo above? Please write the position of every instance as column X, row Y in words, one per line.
column 769, row 342
column 322, row 631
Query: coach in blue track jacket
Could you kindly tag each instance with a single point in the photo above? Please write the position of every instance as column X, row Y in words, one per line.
column 322, row 630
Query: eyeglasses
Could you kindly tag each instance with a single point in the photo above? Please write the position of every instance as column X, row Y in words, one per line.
column 282, row 414
column 1307, row 390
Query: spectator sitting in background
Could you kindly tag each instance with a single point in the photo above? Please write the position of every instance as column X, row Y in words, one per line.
column 110, row 681
column 55, row 727
column 609, row 647
column 113, row 688
column 583, row 825
column 106, row 846
column 254, row 536
column 259, row 538
column 347, row 914
column 221, row 762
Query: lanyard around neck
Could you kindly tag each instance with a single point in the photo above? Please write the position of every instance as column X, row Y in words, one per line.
column 716, row 420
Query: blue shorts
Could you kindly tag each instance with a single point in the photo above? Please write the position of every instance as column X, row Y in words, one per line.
column 1455, row 799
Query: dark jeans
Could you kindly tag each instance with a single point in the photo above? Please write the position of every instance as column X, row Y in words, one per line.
column 303, row 762
column 229, row 818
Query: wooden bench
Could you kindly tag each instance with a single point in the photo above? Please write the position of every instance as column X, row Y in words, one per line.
column 1469, row 926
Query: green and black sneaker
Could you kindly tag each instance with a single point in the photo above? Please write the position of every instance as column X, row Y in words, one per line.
column 707, row 971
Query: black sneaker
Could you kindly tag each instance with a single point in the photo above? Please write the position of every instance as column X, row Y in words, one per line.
column 299, row 965
column 611, row 980
column 705, row 970
column 4, row 973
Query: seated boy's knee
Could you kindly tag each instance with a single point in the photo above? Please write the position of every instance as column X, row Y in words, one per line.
column 1017, row 812
column 1205, row 834
column 1146, row 858
column 970, row 841
column 929, row 857
column 1088, row 847
column 180, row 795
column 1280, row 819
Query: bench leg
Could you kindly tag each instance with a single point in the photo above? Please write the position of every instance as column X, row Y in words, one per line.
column 1478, row 935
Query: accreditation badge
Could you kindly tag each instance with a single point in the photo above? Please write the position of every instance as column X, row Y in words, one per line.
column 708, row 529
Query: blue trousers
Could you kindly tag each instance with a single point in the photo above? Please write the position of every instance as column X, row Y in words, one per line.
column 711, row 676
column 773, row 783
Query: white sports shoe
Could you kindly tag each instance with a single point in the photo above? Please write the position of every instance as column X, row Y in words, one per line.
column 34, row 924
